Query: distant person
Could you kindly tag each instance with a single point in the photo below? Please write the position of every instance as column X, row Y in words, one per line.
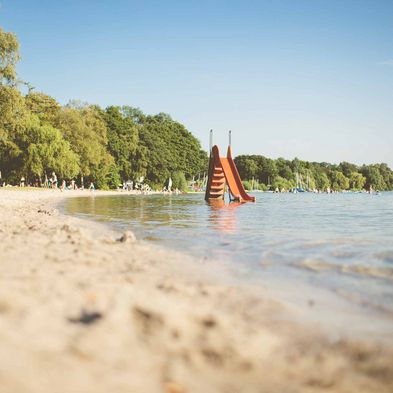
column 63, row 185
column 91, row 186
column 22, row 181
column 72, row 184
column 54, row 180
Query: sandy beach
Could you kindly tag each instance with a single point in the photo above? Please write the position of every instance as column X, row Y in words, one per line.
column 84, row 309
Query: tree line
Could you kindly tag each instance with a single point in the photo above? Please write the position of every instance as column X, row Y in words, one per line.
column 268, row 173
column 81, row 141
column 107, row 146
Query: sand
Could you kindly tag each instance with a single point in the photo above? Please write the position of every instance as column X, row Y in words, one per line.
column 82, row 311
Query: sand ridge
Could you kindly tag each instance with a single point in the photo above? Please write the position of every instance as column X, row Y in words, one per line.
column 82, row 311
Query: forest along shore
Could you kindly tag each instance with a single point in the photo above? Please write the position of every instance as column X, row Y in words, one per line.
column 86, row 309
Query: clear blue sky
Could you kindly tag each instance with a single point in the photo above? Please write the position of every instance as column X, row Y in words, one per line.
column 312, row 79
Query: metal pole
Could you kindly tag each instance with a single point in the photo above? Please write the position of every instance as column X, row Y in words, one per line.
column 230, row 137
column 210, row 141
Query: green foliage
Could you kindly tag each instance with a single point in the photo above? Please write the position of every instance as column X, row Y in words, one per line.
column 12, row 112
column 44, row 106
column 339, row 181
column 281, row 173
column 251, row 185
column 42, row 149
column 263, row 187
column 12, row 120
column 85, row 129
column 123, row 143
column 282, row 183
column 179, row 181
column 9, row 56
column 106, row 176
column 170, row 147
column 247, row 166
column 347, row 168
column 380, row 180
column 247, row 185
column 321, row 179
column 261, row 168
column 356, row 180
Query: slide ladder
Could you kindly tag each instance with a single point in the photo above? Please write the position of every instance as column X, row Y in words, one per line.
column 222, row 172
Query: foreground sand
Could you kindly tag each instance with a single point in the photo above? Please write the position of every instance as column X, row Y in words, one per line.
column 81, row 311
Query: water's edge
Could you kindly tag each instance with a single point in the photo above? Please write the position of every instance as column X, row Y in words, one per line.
column 322, row 291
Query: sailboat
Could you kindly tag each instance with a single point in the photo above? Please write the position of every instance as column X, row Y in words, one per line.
column 299, row 183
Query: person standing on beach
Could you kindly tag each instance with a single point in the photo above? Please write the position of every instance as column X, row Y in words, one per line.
column 54, row 180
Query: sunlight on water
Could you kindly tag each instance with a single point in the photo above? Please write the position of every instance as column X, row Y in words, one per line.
column 340, row 244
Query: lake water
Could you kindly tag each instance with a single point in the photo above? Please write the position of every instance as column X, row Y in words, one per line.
column 330, row 257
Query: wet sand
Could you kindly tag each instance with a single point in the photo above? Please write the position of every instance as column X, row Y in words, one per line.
column 84, row 309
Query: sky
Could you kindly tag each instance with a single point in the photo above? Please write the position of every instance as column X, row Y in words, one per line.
column 311, row 79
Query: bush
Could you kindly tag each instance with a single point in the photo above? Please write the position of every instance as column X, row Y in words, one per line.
column 247, row 185
column 281, row 183
column 262, row 187
column 179, row 181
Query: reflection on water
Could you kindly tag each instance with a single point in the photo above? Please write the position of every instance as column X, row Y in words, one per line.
column 338, row 243
column 222, row 216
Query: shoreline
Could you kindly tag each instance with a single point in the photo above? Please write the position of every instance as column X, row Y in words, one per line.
column 83, row 311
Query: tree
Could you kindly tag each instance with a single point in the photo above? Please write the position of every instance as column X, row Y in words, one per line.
column 268, row 170
column 247, row 167
column 387, row 175
column 284, row 169
column 86, row 131
column 9, row 56
column 106, row 174
column 347, row 168
column 357, row 181
column 170, row 147
column 42, row 149
column 179, row 181
column 373, row 177
column 281, row 183
column 45, row 107
column 322, row 181
column 135, row 114
column 12, row 120
column 124, row 143
column 339, row 181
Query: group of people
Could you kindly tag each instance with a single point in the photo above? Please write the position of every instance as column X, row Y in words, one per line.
column 139, row 187
column 53, row 183
column 142, row 188
column 49, row 182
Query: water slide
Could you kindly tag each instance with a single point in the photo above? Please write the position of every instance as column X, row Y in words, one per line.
column 223, row 171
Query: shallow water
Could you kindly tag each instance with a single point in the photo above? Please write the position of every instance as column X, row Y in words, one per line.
column 328, row 256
